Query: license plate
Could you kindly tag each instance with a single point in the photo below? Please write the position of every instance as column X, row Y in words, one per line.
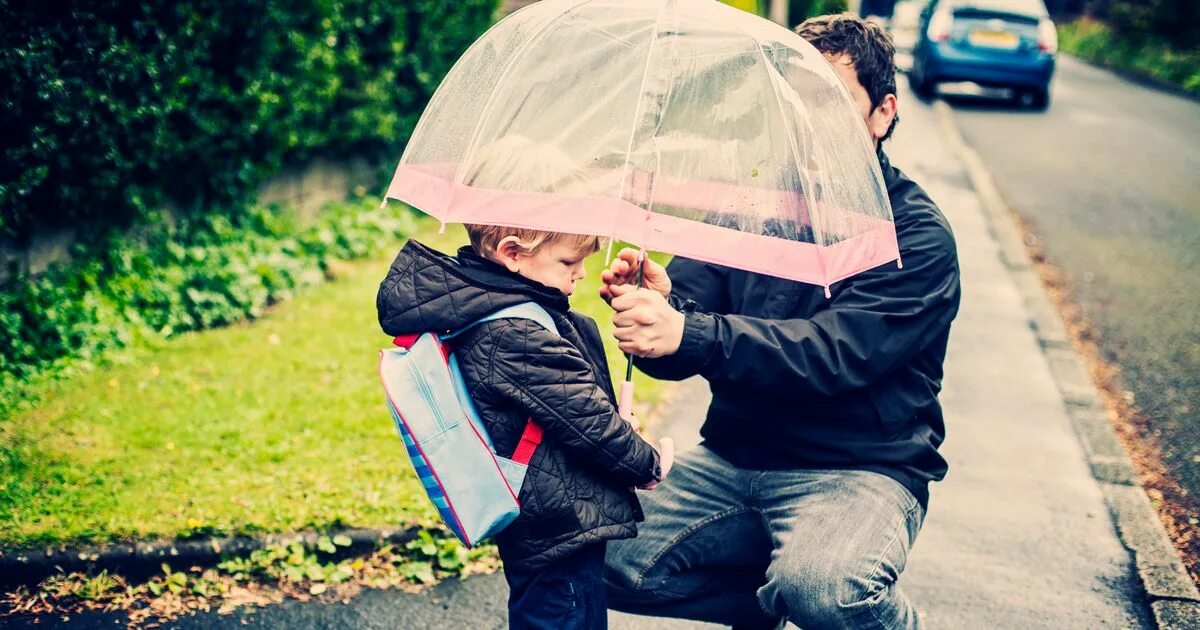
column 993, row 39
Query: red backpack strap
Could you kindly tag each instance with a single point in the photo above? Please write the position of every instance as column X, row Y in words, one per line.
column 530, row 438
column 407, row 341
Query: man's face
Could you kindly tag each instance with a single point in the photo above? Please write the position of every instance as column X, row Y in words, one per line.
column 879, row 119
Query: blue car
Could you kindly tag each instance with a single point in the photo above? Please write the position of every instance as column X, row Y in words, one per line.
column 994, row 43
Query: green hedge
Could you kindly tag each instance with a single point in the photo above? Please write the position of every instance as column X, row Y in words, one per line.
column 1149, row 57
column 114, row 107
column 1173, row 22
column 208, row 271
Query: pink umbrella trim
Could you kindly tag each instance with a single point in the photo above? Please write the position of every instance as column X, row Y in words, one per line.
column 873, row 245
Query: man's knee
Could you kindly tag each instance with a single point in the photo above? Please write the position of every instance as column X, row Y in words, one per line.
column 624, row 566
column 821, row 597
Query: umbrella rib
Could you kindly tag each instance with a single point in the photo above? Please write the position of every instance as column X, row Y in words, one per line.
column 637, row 111
column 818, row 235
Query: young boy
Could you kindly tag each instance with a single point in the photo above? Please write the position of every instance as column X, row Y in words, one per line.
column 578, row 493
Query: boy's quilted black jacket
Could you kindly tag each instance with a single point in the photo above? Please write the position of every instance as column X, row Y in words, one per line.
column 578, row 486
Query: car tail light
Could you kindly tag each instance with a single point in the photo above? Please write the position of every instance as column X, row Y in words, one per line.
column 1047, row 37
column 940, row 25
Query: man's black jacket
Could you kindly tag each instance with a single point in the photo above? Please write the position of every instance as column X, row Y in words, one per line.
column 577, row 489
column 802, row 381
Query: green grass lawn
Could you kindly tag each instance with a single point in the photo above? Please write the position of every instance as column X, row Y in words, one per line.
column 271, row 425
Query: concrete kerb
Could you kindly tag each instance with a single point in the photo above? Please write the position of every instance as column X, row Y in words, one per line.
column 1174, row 598
column 143, row 559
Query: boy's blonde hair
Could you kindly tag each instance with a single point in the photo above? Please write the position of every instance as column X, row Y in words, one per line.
column 517, row 163
column 485, row 238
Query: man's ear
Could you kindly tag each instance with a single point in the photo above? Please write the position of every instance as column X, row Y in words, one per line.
column 509, row 253
column 881, row 118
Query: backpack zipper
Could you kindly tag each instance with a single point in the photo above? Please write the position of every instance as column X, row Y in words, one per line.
column 428, row 396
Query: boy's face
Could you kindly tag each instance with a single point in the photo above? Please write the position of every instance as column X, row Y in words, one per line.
column 557, row 265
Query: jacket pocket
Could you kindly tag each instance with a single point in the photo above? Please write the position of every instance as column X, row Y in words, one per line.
column 547, row 502
column 556, row 524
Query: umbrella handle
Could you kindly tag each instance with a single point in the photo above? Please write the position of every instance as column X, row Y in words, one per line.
column 625, row 401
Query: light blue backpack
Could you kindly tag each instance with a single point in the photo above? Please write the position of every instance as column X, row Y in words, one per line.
column 474, row 490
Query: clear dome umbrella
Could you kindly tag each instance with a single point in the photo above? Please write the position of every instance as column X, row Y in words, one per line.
column 682, row 126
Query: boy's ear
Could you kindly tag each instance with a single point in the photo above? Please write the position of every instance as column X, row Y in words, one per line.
column 509, row 252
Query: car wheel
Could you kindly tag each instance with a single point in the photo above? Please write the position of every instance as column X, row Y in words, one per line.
column 920, row 84
column 1036, row 99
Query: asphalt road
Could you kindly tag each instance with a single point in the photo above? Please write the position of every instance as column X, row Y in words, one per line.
column 1110, row 178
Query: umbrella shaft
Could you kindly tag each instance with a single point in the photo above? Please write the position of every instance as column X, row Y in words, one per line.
column 641, row 270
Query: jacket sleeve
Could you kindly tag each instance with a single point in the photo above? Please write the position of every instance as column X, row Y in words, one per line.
column 696, row 287
column 547, row 378
column 876, row 322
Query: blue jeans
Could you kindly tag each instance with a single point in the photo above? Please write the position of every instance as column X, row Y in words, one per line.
column 821, row 548
column 568, row 595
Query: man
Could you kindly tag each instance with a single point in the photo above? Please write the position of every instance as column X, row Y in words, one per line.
column 811, row 483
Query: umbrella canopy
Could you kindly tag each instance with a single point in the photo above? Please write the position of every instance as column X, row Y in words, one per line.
column 682, row 126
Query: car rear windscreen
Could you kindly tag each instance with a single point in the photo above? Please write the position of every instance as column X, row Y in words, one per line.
column 1034, row 8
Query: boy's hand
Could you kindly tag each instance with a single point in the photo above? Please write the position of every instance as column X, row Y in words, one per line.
column 666, row 457
column 623, row 270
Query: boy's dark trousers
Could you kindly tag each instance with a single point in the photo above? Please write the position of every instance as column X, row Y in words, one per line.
column 567, row 595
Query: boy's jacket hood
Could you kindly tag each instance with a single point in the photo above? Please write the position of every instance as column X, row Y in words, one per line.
column 427, row 291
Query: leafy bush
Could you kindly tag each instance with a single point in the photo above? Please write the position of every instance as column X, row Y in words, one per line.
column 112, row 108
column 203, row 272
column 1096, row 41
column 1176, row 21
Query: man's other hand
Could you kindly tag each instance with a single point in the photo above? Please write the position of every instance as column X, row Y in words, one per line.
column 623, row 270
column 646, row 325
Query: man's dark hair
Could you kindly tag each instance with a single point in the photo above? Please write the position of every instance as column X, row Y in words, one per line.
column 868, row 46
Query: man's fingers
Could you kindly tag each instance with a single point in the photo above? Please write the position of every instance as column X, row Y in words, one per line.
column 633, row 317
column 625, row 296
column 632, row 347
column 628, row 255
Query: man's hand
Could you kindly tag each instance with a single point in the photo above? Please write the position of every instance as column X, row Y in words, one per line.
column 646, row 325
column 623, row 270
